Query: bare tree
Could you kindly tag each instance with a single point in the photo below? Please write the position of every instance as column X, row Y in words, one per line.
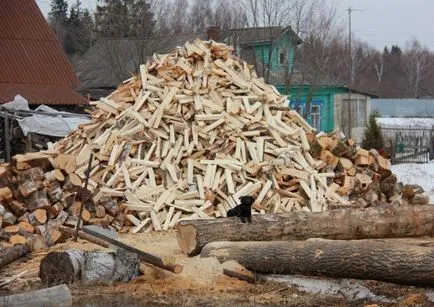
column 323, row 35
column 416, row 64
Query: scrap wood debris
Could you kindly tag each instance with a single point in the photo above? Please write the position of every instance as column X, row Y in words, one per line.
column 185, row 139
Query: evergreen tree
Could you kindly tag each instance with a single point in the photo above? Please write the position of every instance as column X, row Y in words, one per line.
column 124, row 18
column 373, row 138
column 59, row 11
column 58, row 18
column 79, row 35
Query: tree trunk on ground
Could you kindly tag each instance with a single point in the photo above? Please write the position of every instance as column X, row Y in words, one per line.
column 346, row 224
column 92, row 267
column 386, row 260
column 13, row 253
column 56, row 296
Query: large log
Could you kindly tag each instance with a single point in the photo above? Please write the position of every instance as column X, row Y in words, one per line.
column 387, row 260
column 55, row 296
column 13, row 253
column 346, row 224
column 90, row 267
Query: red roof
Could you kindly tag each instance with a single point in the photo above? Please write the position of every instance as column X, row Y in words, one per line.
column 32, row 63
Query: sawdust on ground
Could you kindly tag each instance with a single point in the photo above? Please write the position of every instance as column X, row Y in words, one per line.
column 201, row 282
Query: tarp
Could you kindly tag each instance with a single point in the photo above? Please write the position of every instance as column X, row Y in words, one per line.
column 58, row 126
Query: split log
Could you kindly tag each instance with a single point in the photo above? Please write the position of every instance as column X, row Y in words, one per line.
column 38, row 217
column 62, row 160
column 53, row 236
column 4, row 235
column 53, row 175
column 72, row 182
column 12, row 230
column 37, row 243
column 17, row 207
column 71, row 166
column 25, row 228
column 92, row 267
column 99, row 211
column 28, row 187
column 17, row 239
column 4, row 176
column 12, row 253
column 340, row 149
column 385, row 260
column 8, row 219
column 54, row 191
column 55, row 210
column 33, row 174
column 6, row 194
column 59, row 295
column 346, row 224
column 37, row 200
column 30, row 160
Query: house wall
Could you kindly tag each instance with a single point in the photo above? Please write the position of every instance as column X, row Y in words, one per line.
column 262, row 51
column 341, row 115
column 324, row 98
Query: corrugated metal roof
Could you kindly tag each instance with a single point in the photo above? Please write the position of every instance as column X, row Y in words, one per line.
column 30, row 53
column 41, row 94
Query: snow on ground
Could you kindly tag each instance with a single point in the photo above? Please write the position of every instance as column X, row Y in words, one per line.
column 413, row 173
column 399, row 122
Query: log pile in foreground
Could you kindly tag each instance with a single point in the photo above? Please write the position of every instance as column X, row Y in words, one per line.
column 345, row 224
column 196, row 130
column 387, row 260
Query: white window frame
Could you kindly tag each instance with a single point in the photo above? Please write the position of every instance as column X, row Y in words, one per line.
column 315, row 116
column 284, row 52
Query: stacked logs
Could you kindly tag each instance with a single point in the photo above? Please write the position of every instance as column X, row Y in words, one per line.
column 195, row 131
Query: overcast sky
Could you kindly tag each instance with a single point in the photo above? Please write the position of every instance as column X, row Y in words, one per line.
column 380, row 22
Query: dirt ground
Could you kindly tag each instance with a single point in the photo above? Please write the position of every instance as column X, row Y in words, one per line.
column 200, row 284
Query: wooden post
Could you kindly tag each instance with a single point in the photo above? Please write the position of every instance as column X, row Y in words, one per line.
column 80, row 218
column 7, row 138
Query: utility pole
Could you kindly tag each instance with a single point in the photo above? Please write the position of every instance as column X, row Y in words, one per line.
column 350, row 74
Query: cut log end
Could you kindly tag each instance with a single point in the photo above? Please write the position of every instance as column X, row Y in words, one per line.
column 186, row 237
column 57, row 268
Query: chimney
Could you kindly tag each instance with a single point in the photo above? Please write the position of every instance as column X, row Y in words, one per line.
column 213, row 33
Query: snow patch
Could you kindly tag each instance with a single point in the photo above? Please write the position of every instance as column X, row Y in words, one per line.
column 400, row 122
column 413, row 173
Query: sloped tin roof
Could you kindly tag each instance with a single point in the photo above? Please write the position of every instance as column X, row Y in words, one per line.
column 31, row 58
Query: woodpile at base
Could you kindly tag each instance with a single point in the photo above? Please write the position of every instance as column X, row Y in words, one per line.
column 195, row 131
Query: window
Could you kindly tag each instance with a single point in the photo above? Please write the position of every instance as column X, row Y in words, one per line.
column 315, row 115
column 356, row 110
column 283, row 56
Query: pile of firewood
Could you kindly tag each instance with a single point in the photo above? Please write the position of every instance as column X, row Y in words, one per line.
column 185, row 140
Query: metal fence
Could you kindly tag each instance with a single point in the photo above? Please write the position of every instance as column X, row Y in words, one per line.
column 409, row 145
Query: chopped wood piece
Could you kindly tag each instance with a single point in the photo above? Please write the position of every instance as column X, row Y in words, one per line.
column 38, row 217
column 17, row 239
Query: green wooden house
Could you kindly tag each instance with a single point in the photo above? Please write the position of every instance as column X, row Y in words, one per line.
column 272, row 52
